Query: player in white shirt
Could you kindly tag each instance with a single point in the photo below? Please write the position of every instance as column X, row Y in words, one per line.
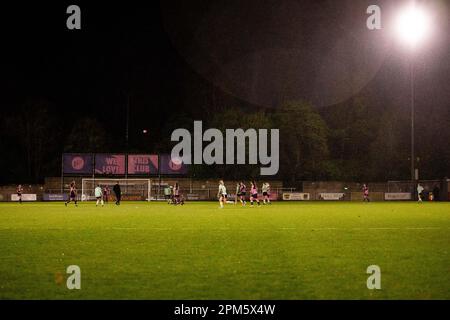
column 99, row 195
column 419, row 192
column 266, row 193
column 222, row 194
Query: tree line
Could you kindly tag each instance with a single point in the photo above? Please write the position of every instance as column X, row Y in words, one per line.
column 348, row 142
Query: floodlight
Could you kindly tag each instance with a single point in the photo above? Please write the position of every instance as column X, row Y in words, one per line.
column 412, row 25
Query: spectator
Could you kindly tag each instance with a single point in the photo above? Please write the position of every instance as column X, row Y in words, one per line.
column 117, row 192
column 436, row 193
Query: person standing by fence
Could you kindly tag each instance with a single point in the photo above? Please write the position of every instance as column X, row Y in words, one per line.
column 118, row 193
column 19, row 193
column 436, row 193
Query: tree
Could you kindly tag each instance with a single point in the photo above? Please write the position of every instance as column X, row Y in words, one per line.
column 234, row 118
column 389, row 152
column 352, row 129
column 87, row 135
column 303, row 142
column 34, row 134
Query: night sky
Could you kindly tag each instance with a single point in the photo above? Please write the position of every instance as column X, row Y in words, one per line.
column 180, row 57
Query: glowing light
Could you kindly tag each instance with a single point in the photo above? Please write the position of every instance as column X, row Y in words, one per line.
column 412, row 25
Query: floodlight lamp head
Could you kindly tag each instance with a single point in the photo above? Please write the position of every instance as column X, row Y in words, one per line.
column 412, row 25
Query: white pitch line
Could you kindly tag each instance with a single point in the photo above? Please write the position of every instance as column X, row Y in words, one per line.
column 423, row 228
column 228, row 229
column 134, row 228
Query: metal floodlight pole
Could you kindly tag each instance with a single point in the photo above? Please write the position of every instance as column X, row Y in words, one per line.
column 127, row 126
column 62, row 173
column 412, row 83
column 412, row 26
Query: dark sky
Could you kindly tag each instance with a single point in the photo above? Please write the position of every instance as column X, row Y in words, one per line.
column 258, row 51
column 320, row 51
column 166, row 56
column 120, row 49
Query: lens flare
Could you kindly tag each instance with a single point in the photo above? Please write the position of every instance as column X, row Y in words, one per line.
column 412, row 25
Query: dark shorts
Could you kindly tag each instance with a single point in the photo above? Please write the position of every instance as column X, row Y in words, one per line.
column 19, row 194
column 98, row 198
column 265, row 194
column 72, row 195
column 255, row 196
column 243, row 194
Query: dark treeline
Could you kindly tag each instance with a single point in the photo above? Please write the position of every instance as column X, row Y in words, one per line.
column 352, row 141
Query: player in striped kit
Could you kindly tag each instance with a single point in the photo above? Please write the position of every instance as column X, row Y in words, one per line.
column 238, row 192
column 254, row 193
column 72, row 194
column 242, row 193
column 365, row 190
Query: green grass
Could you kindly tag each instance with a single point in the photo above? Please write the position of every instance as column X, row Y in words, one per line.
column 285, row 251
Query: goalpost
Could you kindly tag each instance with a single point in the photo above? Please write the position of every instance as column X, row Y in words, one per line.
column 132, row 189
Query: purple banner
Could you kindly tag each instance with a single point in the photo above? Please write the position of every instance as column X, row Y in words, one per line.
column 142, row 164
column 77, row 163
column 172, row 166
column 110, row 164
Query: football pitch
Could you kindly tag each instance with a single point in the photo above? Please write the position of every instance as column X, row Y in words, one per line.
column 288, row 250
